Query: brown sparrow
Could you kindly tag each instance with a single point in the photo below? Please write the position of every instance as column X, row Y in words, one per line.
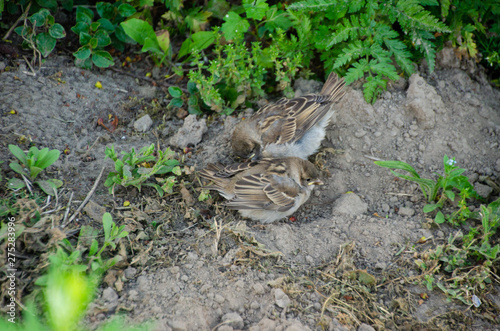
column 265, row 190
column 288, row 127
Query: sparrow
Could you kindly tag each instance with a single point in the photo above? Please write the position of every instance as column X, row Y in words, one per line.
column 288, row 127
column 264, row 190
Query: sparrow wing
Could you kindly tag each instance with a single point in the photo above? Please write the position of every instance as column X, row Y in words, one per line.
column 233, row 169
column 288, row 120
column 259, row 191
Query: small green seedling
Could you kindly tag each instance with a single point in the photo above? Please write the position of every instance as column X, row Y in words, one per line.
column 452, row 179
column 41, row 35
column 135, row 168
column 30, row 165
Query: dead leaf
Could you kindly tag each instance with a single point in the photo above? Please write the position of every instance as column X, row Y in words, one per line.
column 186, row 196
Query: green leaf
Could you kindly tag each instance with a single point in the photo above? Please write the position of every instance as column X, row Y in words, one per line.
column 15, row 184
column 34, row 171
column 402, row 56
column 255, row 9
column 176, row 102
column 102, row 59
column 93, row 248
column 163, row 39
column 48, row 158
column 186, row 48
column 82, row 53
column 22, row 30
column 373, row 87
column 312, row 5
column 439, row 219
column 234, row 26
column 430, row 207
column 398, row 165
column 80, row 27
column 57, row 31
column 45, row 43
column 84, row 14
column 138, row 30
column 177, row 171
column 106, row 25
column 93, row 43
column 49, row 186
column 122, row 36
column 52, row 4
column 198, row 41
column 126, row 10
column 175, row 92
column 352, row 52
column 85, row 38
column 84, row 63
column 105, row 10
column 450, row 194
column 17, row 168
column 103, row 38
column 151, row 45
column 94, row 26
column 107, row 223
column 38, row 19
column 18, row 153
column 67, row 4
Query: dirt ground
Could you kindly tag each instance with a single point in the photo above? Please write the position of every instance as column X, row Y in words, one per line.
column 346, row 263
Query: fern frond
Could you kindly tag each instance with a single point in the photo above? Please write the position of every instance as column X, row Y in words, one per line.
column 383, row 66
column 383, row 32
column 411, row 15
column 357, row 71
column 422, row 42
column 373, row 87
column 314, row 5
column 355, row 6
column 445, row 8
column 353, row 51
column 371, row 7
column 429, row 2
column 401, row 55
column 344, row 31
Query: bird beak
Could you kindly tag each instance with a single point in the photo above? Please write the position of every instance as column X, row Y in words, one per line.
column 316, row 182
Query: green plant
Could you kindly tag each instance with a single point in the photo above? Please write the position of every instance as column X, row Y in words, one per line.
column 31, row 165
column 193, row 101
column 156, row 43
column 41, row 35
column 94, row 36
column 204, row 195
column 475, row 29
column 135, row 168
column 471, row 259
column 446, row 184
column 363, row 38
column 70, row 285
column 237, row 75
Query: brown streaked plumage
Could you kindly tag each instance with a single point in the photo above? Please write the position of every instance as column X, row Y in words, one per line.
column 265, row 190
column 288, row 127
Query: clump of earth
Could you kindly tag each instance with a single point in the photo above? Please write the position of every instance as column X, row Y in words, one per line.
column 193, row 265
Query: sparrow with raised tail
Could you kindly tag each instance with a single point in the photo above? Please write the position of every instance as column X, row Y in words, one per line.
column 265, row 190
column 288, row 127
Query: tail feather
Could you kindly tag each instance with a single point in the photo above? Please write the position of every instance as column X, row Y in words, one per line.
column 334, row 88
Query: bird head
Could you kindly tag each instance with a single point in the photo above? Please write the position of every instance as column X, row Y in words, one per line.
column 245, row 142
column 309, row 175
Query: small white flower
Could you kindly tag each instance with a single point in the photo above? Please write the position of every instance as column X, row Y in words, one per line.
column 451, row 162
column 227, row 15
